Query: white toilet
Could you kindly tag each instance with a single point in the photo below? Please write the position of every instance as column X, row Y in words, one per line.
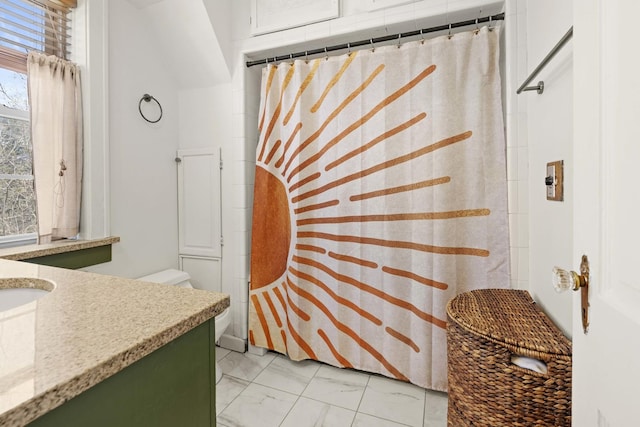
column 181, row 278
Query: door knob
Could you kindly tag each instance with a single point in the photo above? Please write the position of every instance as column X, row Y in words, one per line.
column 564, row 280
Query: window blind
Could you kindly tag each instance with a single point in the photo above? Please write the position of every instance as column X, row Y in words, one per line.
column 40, row 25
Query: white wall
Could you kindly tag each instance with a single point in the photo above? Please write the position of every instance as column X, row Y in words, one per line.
column 90, row 51
column 184, row 32
column 205, row 116
column 550, row 138
column 515, row 58
column 142, row 186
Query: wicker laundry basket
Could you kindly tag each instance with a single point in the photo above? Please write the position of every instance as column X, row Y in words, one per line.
column 485, row 329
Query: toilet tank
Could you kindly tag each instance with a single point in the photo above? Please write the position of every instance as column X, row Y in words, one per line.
column 169, row 277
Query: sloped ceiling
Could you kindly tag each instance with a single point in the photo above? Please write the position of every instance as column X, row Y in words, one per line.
column 194, row 36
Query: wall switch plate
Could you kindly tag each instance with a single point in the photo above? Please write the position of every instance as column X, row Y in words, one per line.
column 554, row 181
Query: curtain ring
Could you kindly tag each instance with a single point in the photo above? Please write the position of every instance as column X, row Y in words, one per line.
column 306, row 56
column 399, row 37
column 421, row 37
column 148, row 98
column 490, row 23
column 326, row 55
column 348, row 48
column 450, row 31
column 373, row 48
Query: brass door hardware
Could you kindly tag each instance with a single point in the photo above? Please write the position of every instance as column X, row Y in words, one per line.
column 564, row 280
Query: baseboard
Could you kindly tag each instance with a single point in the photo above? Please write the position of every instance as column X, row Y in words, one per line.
column 258, row 351
column 233, row 343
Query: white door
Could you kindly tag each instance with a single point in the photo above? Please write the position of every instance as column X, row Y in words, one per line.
column 199, row 213
column 606, row 368
column 205, row 272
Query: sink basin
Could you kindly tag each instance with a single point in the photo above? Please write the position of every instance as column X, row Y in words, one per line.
column 22, row 290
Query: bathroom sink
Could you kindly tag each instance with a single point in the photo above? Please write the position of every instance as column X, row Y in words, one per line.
column 16, row 291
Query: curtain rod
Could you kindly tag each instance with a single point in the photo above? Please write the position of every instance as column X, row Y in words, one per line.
column 498, row 17
column 540, row 87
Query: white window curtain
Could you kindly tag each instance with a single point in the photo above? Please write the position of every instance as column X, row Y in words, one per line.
column 56, row 131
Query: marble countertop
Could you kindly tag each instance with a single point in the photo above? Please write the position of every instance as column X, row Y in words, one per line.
column 88, row 328
column 23, row 252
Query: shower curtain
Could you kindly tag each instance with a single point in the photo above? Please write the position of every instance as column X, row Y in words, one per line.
column 380, row 194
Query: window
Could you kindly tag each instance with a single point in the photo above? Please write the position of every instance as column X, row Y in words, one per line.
column 25, row 25
column 17, row 198
column 41, row 25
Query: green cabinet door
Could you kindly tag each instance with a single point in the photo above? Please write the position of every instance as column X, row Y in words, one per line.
column 173, row 386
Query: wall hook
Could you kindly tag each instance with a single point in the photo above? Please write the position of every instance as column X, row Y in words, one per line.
column 538, row 88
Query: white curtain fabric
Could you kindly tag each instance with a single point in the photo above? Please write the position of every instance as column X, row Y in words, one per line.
column 56, row 131
column 380, row 194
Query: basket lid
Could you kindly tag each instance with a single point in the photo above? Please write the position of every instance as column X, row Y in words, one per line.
column 509, row 316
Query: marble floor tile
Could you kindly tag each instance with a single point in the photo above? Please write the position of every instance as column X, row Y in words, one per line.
column 435, row 409
column 311, row 413
column 394, row 400
column 339, row 387
column 227, row 390
column 364, row 420
column 273, row 391
column 257, row 405
column 245, row 366
column 221, row 353
column 287, row 375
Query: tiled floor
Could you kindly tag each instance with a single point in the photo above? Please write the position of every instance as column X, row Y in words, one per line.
column 274, row 391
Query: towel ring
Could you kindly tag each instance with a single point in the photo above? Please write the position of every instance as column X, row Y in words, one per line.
column 147, row 98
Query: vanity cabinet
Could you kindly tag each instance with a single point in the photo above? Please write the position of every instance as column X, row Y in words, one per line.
column 173, row 386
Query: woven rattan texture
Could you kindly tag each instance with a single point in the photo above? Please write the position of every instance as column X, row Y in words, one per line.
column 485, row 328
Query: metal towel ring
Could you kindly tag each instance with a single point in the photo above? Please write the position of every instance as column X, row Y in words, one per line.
column 147, row 98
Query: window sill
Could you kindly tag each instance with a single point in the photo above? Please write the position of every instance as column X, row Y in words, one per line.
column 66, row 254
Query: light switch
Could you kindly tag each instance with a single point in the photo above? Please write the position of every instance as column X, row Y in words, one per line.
column 554, row 181
column 550, row 181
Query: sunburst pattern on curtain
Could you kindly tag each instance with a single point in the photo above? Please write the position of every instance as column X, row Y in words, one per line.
column 380, row 193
